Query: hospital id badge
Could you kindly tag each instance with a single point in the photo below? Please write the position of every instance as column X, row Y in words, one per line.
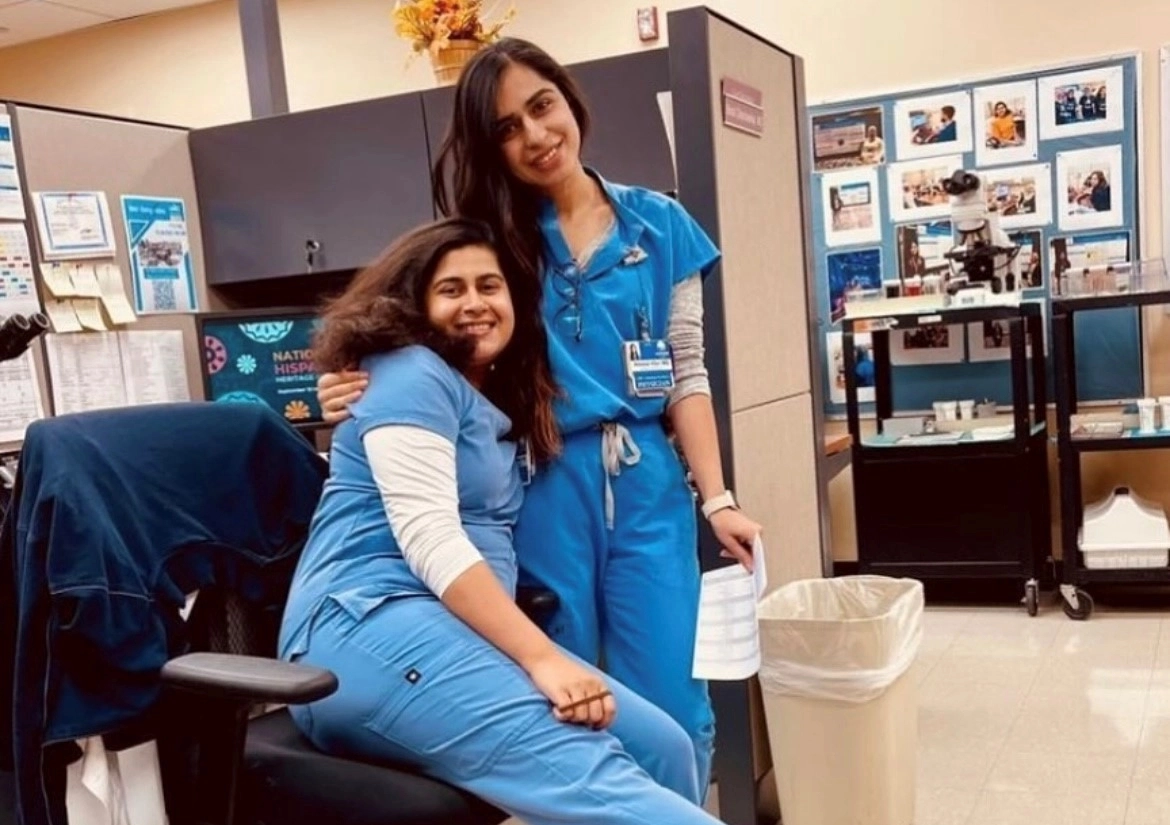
column 525, row 462
column 649, row 368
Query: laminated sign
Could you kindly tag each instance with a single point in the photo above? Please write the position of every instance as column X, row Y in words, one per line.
column 160, row 254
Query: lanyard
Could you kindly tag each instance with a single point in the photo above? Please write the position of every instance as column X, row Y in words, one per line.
column 642, row 315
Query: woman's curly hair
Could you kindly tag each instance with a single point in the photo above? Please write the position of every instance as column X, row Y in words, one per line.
column 385, row 308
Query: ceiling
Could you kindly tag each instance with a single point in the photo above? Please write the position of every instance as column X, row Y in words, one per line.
column 25, row 20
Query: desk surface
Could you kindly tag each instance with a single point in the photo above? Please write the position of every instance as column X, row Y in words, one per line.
column 837, row 443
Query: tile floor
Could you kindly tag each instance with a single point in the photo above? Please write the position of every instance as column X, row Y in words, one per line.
column 1044, row 721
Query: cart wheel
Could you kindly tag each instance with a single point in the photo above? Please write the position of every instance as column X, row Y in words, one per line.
column 1084, row 607
column 1032, row 598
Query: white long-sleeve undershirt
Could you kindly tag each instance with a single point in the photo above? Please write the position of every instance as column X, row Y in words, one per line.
column 414, row 469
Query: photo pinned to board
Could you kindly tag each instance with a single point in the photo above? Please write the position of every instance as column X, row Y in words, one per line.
column 1031, row 257
column 927, row 127
column 1084, row 253
column 1092, row 187
column 851, row 207
column 991, row 340
column 934, row 344
column 855, row 270
column 1021, row 194
column 1007, row 113
column 842, row 140
column 1086, row 102
column 863, row 371
column 922, row 249
column 916, row 190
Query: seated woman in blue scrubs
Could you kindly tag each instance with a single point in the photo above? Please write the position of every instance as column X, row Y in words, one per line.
column 406, row 586
column 608, row 525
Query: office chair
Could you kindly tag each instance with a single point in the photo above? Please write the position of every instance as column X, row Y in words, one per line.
column 229, row 753
column 260, row 770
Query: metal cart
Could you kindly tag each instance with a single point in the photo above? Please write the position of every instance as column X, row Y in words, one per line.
column 1077, row 602
column 964, row 510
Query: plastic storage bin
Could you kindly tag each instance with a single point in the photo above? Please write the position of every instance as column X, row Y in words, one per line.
column 839, row 701
column 1124, row 532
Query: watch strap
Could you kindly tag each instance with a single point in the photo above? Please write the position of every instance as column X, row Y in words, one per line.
column 716, row 503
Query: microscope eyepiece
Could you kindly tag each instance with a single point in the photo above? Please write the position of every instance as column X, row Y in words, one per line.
column 960, row 183
column 18, row 331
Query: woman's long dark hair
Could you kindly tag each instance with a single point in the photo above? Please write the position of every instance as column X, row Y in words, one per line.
column 471, row 177
column 385, row 308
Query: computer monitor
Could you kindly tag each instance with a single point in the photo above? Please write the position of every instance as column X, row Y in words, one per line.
column 262, row 357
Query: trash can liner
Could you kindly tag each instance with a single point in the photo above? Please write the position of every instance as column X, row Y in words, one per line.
column 845, row 639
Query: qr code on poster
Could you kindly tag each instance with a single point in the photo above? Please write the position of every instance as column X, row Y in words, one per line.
column 164, row 295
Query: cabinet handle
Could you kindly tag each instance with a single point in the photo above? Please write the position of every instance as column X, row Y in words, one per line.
column 312, row 247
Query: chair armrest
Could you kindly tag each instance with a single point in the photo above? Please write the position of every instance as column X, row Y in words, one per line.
column 537, row 603
column 253, row 678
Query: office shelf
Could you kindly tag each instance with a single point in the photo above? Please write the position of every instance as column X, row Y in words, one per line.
column 1078, row 603
column 943, row 315
column 1132, row 440
column 1110, row 301
column 966, row 509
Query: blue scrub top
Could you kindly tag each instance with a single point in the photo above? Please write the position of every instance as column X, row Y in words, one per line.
column 352, row 555
column 655, row 245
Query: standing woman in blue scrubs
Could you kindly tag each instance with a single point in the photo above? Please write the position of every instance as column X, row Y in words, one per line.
column 609, row 525
column 406, row 586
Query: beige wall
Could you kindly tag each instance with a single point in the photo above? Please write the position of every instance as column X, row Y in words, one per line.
column 186, row 67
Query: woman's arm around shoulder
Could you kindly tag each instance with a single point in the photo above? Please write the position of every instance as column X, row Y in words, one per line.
column 412, row 385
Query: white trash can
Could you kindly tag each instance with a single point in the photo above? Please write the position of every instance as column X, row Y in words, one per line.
column 840, row 703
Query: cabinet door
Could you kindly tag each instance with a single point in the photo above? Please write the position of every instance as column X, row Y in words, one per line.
column 350, row 178
column 627, row 143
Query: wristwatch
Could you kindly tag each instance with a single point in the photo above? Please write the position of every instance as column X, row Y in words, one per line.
column 716, row 503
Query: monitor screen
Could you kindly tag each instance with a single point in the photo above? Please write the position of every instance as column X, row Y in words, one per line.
column 262, row 357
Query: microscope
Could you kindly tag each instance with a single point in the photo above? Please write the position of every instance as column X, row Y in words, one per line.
column 18, row 332
column 984, row 262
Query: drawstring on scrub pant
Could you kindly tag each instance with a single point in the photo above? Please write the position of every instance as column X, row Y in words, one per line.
column 617, row 448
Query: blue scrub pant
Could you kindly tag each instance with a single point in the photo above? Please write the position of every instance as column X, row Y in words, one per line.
column 629, row 594
column 417, row 685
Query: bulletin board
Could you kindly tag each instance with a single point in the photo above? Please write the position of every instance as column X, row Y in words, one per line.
column 65, row 151
column 1041, row 141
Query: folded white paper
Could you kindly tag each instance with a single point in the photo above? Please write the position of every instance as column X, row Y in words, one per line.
column 727, row 635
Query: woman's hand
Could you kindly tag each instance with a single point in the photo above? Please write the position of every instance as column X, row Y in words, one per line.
column 578, row 694
column 337, row 390
column 737, row 533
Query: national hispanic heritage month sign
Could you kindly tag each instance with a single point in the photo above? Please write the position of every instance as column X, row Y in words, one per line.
column 262, row 362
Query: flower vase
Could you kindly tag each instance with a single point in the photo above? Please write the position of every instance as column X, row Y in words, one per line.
column 448, row 63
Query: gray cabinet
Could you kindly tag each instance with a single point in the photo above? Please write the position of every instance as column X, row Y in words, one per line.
column 348, row 179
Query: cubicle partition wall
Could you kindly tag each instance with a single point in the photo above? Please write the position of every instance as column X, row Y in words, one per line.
column 79, row 153
column 65, row 151
column 738, row 106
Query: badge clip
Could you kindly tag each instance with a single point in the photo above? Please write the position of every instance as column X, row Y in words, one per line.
column 634, row 255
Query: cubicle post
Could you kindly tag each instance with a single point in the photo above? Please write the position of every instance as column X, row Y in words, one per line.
column 693, row 117
column 263, row 57
column 747, row 186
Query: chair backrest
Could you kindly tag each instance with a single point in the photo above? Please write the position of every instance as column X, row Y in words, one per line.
column 222, row 622
column 117, row 516
column 150, row 480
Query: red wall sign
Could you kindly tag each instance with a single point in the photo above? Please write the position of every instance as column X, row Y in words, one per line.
column 743, row 107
